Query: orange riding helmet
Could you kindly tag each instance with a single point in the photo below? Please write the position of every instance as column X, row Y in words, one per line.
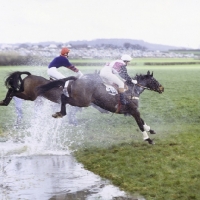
column 64, row 51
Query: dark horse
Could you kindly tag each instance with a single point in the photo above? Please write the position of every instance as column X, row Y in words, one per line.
column 90, row 90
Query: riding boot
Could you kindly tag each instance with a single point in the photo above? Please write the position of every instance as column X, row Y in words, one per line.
column 122, row 97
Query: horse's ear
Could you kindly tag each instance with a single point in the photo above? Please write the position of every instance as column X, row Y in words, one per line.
column 148, row 73
column 152, row 74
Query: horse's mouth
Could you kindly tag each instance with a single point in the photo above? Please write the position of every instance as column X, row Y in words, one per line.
column 161, row 89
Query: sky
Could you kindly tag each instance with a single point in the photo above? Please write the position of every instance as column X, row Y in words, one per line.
column 167, row 22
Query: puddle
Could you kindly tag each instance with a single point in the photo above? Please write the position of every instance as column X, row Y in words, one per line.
column 36, row 163
column 50, row 176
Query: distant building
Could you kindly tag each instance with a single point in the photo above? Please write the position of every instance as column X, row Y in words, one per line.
column 53, row 46
column 6, row 46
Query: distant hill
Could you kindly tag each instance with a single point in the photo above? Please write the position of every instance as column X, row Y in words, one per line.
column 114, row 42
column 120, row 43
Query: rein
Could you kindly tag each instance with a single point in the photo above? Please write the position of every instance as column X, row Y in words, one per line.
column 142, row 86
column 133, row 97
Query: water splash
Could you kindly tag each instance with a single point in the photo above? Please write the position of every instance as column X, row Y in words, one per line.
column 45, row 133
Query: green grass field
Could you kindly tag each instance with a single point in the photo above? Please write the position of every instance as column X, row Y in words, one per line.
column 112, row 146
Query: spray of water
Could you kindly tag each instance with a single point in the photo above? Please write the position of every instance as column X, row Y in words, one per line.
column 40, row 132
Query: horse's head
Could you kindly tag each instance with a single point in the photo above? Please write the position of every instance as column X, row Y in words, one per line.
column 149, row 82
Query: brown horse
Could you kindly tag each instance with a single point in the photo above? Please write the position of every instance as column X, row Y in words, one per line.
column 90, row 90
column 26, row 88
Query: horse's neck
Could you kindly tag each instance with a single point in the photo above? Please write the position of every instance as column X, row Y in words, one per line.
column 137, row 90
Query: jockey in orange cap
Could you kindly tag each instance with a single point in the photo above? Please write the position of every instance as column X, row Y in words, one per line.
column 61, row 61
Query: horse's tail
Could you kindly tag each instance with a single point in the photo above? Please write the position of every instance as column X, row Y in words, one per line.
column 14, row 80
column 53, row 84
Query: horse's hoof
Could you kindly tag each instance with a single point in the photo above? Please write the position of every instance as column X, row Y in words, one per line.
column 150, row 141
column 57, row 115
column 2, row 103
column 152, row 132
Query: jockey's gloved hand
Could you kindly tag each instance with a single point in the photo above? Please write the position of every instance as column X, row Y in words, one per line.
column 134, row 81
column 79, row 74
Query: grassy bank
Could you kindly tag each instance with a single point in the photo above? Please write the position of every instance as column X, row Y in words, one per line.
column 167, row 170
column 112, row 146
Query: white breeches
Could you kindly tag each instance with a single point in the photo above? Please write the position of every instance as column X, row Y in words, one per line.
column 107, row 75
column 54, row 73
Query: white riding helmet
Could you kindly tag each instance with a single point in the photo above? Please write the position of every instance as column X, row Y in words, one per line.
column 126, row 58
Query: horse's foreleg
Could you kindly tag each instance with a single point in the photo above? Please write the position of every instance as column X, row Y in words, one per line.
column 147, row 128
column 63, row 107
column 8, row 98
column 63, row 104
column 140, row 124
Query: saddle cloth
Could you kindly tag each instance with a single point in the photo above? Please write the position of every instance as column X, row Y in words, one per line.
column 110, row 89
column 113, row 88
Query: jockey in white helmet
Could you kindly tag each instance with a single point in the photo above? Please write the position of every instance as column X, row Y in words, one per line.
column 118, row 67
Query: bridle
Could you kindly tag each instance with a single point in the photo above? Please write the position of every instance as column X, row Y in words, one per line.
column 143, row 86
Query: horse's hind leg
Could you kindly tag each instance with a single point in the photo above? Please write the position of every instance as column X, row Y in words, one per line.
column 8, row 97
column 11, row 93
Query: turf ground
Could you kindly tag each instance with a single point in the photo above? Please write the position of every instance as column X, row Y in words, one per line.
column 112, row 146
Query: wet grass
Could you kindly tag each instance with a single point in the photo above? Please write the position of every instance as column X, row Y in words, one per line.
column 167, row 170
column 170, row 168
column 112, row 146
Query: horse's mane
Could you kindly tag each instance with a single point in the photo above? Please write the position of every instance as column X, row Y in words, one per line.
column 140, row 77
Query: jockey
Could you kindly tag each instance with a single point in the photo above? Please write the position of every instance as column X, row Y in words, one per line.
column 118, row 67
column 60, row 61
